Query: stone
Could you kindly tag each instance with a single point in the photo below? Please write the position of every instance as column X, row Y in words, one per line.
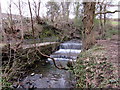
column 41, row 75
column 32, row 74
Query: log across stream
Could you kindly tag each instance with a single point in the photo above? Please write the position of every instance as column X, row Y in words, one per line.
column 47, row 76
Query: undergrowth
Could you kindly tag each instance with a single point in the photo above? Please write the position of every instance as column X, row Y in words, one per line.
column 92, row 70
column 110, row 33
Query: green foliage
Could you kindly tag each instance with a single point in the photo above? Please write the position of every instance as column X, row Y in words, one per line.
column 96, row 24
column 91, row 69
column 28, row 35
column 110, row 29
column 110, row 33
column 114, row 23
column 78, row 22
column 5, row 84
column 96, row 21
column 47, row 33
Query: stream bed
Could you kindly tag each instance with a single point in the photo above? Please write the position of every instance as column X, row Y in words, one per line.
column 47, row 76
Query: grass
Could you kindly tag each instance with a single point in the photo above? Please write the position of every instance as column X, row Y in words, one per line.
column 93, row 71
column 3, row 83
column 115, row 23
column 110, row 33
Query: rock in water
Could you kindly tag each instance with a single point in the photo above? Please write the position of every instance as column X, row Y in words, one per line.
column 69, row 64
column 41, row 75
column 32, row 74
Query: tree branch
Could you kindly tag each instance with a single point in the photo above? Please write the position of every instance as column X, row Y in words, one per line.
column 107, row 12
column 31, row 17
column 52, row 60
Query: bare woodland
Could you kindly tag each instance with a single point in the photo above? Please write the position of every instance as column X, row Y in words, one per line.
column 57, row 23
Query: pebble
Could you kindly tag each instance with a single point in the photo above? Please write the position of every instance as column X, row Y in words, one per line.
column 32, row 74
column 47, row 61
column 41, row 75
column 48, row 81
column 14, row 86
column 31, row 86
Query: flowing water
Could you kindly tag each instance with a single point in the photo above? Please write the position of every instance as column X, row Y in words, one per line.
column 47, row 76
column 68, row 51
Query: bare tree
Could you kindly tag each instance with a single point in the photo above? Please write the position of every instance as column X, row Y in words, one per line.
column 19, row 6
column 88, row 22
column 102, row 15
column 53, row 11
column 101, row 24
column 65, row 10
column 35, row 42
column 9, row 31
column 32, row 23
column 1, row 30
column 37, row 10
column 77, row 10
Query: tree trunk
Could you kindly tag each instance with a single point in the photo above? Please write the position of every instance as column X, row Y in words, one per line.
column 101, row 24
column 88, row 22
column 104, row 22
column 1, row 24
column 104, row 15
column 77, row 11
column 21, row 22
column 67, row 10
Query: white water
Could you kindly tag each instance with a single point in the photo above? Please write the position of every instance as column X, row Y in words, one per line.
column 68, row 51
column 70, row 45
column 62, row 59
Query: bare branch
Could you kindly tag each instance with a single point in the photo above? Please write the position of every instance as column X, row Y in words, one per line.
column 107, row 12
column 39, row 7
column 52, row 60
column 31, row 17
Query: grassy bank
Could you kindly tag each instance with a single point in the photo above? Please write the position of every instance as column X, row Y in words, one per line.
column 92, row 70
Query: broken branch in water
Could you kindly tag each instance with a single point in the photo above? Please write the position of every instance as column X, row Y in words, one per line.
column 52, row 60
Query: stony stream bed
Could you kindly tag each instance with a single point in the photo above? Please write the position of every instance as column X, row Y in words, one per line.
column 47, row 76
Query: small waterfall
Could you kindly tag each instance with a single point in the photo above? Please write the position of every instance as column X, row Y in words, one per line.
column 70, row 45
column 68, row 50
column 51, row 77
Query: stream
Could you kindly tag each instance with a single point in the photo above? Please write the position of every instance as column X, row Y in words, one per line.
column 47, row 76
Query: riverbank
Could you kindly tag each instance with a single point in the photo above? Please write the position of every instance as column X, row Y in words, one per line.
column 47, row 75
column 17, row 63
column 39, row 72
column 98, row 66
